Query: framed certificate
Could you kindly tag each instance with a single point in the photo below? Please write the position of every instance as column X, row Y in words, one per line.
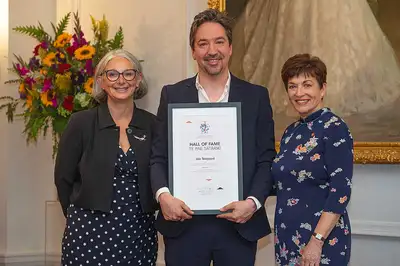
column 205, row 155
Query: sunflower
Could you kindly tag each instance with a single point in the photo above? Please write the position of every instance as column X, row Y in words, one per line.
column 88, row 86
column 50, row 59
column 47, row 98
column 62, row 40
column 85, row 52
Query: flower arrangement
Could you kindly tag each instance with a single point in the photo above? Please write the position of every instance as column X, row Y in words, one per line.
column 58, row 79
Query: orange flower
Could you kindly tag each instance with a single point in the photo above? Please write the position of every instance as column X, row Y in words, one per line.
column 62, row 40
column 343, row 199
column 29, row 101
column 85, row 52
column 49, row 59
column 333, row 241
column 21, row 88
column 43, row 72
column 315, row 157
column 88, row 86
column 48, row 98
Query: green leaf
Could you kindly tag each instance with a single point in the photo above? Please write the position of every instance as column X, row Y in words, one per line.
column 36, row 32
column 54, row 29
column 34, row 123
column 56, row 140
column 7, row 98
column 12, row 81
column 62, row 25
column 59, row 124
column 46, row 127
column 117, row 41
column 20, row 60
column 10, row 107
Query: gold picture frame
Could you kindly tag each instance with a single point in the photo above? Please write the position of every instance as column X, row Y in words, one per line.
column 364, row 152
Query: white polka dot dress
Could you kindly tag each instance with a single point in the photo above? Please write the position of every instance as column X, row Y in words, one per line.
column 124, row 236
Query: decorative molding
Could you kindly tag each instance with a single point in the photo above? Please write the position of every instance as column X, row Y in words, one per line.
column 377, row 152
column 375, row 228
column 22, row 257
column 217, row 4
column 366, row 228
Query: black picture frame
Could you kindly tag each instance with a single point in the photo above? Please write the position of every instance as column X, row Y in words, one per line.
column 171, row 178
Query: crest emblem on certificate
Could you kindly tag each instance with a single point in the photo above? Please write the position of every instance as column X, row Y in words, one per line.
column 204, row 127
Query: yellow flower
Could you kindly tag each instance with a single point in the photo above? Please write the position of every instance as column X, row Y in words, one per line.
column 49, row 59
column 85, row 52
column 21, row 88
column 62, row 40
column 88, row 86
column 46, row 98
column 63, row 82
column 43, row 72
column 61, row 55
column 29, row 101
column 100, row 28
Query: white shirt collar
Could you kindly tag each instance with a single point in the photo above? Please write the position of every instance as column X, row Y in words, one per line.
column 227, row 85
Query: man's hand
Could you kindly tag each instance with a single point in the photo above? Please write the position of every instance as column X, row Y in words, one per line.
column 174, row 209
column 241, row 211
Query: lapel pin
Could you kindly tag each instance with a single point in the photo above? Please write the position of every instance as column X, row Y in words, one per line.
column 140, row 138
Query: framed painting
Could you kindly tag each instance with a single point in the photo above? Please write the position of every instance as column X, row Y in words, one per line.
column 362, row 60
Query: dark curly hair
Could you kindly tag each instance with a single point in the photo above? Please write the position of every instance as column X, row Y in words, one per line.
column 211, row 15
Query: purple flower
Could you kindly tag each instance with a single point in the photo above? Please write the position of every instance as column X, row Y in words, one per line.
column 29, row 81
column 46, row 85
column 60, row 59
column 21, row 70
column 54, row 102
column 89, row 67
column 78, row 41
column 34, row 63
column 77, row 78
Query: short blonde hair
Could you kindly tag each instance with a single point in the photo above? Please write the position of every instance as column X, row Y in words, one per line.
column 98, row 93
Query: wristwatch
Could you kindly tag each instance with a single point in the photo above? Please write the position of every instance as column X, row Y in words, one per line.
column 319, row 237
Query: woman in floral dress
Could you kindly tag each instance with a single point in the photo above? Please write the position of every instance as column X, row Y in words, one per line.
column 312, row 173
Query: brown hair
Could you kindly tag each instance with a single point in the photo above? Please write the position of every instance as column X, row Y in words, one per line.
column 211, row 15
column 304, row 64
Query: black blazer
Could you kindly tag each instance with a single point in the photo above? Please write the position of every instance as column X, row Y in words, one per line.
column 87, row 153
column 258, row 149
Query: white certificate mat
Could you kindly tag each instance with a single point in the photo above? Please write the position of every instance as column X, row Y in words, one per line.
column 205, row 155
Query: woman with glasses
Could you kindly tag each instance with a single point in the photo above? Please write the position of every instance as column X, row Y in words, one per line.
column 102, row 169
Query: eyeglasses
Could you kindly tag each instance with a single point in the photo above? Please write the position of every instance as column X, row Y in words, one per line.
column 113, row 75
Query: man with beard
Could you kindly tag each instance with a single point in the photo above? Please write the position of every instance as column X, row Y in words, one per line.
column 230, row 238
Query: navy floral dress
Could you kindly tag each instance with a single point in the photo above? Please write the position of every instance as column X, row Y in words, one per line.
column 312, row 173
column 124, row 236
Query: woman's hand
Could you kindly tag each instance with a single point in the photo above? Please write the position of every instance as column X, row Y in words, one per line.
column 311, row 255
